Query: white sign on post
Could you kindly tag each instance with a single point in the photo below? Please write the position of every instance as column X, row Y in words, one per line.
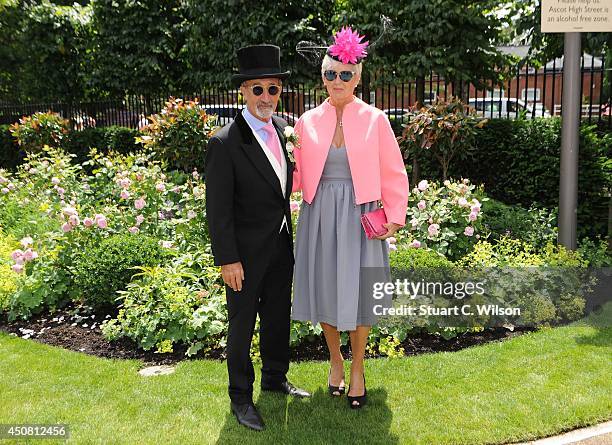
column 576, row 16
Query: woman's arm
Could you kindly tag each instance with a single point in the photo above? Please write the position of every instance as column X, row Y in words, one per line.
column 297, row 155
column 393, row 177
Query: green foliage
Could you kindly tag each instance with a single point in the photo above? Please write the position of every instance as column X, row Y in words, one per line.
column 535, row 226
column 34, row 132
column 454, row 39
column 10, row 153
column 44, row 51
column 518, row 163
column 102, row 270
column 167, row 305
column 180, row 133
column 446, row 129
column 119, row 139
column 597, row 253
column 8, row 278
column 443, row 217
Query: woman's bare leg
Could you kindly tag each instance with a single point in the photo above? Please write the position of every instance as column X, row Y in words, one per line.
column 359, row 340
column 332, row 337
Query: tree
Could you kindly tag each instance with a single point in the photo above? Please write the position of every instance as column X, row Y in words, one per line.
column 453, row 38
column 216, row 29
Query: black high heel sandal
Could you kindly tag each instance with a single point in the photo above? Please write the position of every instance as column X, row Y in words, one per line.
column 334, row 389
column 361, row 400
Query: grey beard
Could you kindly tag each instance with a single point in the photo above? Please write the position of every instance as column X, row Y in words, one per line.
column 264, row 114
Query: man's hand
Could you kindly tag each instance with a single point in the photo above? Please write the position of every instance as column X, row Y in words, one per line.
column 391, row 229
column 233, row 275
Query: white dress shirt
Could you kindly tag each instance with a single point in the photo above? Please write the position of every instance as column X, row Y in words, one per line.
column 261, row 135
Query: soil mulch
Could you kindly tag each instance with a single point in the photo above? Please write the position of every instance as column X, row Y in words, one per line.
column 77, row 329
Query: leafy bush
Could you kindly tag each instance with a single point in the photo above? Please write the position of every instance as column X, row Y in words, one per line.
column 596, row 253
column 180, row 134
column 8, row 278
column 534, row 226
column 445, row 218
column 119, row 139
column 518, row 163
column 166, row 305
column 102, row 270
column 40, row 129
column 10, row 153
column 548, row 286
column 446, row 129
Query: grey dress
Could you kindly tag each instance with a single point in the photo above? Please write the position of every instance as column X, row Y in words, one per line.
column 333, row 255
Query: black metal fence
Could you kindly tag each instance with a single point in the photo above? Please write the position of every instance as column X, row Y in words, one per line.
column 528, row 91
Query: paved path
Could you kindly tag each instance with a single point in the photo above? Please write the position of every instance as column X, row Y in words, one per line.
column 594, row 435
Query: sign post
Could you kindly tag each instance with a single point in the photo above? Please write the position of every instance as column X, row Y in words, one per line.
column 572, row 17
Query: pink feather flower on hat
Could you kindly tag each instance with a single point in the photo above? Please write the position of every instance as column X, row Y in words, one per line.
column 347, row 46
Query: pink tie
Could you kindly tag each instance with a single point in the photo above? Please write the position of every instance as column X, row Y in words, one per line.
column 272, row 142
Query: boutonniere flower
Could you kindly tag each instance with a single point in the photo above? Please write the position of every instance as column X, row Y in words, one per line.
column 292, row 142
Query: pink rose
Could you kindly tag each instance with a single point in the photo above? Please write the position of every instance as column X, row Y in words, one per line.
column 415, row 243
column 124, row 194
column 392, row 247
column 17, row 268
column 133, row 229
column 139, row 220
column 421, row 205
column 27, row 241
column 462, row 202
column 140, row 203
column 125, row 183
column 294, row 206
column 5, row 190
column 160, row 187
column 433, row 229
column 74, row 220
column 88, row 222
column 55, row 181
column 17, row 254
column 191, row 214
column 423, row 185
column 60, row 190
column 475, row 209
column 473, row 216
column 469, row 231
column 30, row 255
column 66, row 227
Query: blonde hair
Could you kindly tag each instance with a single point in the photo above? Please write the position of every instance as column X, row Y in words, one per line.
column 328, row 64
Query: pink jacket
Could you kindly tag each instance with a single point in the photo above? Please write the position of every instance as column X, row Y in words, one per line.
column 375, row 160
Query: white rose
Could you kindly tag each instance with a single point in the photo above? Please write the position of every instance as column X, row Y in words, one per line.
column 288, row 131
column 290, row 147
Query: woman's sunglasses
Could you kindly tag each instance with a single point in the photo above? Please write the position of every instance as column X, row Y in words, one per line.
column 345, row 76
column 258, row 90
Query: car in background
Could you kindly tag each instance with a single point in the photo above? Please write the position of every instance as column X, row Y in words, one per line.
column 505, row 108
column 289, row 117
column 225, row 113
column 395, row 113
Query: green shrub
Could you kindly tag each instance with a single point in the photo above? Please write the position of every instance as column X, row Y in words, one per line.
column 180, row 134
column 8, row 278
column 106, row 268
column 534, row 226
column 518, row 163
column 34, row 132
column 119, row 139
column 164, row 306
column 10, row 153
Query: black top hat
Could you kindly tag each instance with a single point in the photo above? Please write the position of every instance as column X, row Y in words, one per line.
column 258, row 62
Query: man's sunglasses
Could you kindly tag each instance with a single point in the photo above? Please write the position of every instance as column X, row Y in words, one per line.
column 273, row 90
column 345, row 76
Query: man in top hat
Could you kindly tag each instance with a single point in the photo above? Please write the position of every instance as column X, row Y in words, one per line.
column 248, row 183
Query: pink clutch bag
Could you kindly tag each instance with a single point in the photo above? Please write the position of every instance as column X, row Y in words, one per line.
column 372, row 223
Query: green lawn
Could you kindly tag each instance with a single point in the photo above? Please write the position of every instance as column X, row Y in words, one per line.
column 526, row 387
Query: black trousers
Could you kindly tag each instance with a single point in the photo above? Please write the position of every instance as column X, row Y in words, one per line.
column 272, row 300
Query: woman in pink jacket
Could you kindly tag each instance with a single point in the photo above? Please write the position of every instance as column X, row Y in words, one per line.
column 347, row 161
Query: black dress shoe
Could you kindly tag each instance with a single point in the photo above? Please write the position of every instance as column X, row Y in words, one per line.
column 287, row 388
column 247, row 415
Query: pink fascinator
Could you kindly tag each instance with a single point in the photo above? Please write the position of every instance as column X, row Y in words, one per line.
column 347, row 47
